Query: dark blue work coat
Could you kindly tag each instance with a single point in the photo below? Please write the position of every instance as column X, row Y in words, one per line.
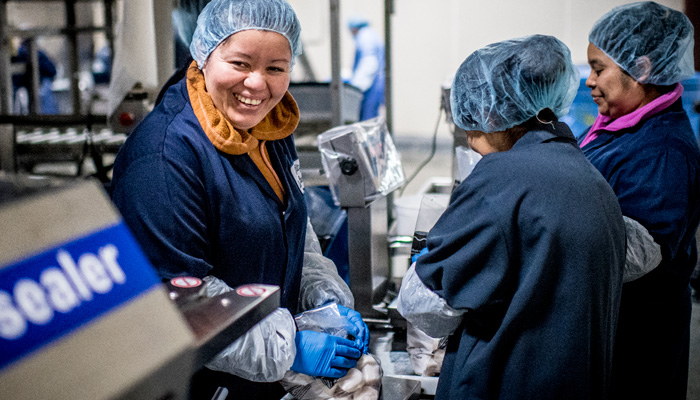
column 532, row 245
column 198, row 211
column 654, row 169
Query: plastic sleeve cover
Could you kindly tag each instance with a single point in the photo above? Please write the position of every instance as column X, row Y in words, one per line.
column 320, row 282
column 424, row 308
column 265, row 352
column 643, row 254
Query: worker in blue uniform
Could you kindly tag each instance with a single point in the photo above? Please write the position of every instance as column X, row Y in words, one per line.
column 523, row 270
column 23, row 79
column 643, row 144
column 368, row 67
column 210, row 185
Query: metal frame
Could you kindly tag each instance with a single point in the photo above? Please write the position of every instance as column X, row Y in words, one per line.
column 70, row 31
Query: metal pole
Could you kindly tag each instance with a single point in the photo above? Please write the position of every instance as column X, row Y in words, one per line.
column 5, row 74
column 7, row 148
column 109, row 28
column 388, row 12
column 34, row 81
column 165, row 40
column 336, row 81
column 73, row 56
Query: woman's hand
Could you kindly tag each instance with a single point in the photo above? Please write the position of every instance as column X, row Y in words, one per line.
column 321, row 354
column 361, row 332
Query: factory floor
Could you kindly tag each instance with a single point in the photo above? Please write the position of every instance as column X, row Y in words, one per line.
column 414, row 151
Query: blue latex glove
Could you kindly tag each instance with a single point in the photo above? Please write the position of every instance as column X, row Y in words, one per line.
column 321, row 354
column 417, row 256
column 359, row 328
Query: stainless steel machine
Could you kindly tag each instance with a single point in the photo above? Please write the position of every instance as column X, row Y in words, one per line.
column 363, row 168
column 315, row 103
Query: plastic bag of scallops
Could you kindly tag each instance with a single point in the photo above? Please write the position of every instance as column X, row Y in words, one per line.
column 360, row 383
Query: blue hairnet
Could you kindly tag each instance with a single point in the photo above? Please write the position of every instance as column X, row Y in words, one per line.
column 631, row 32
column 357, row 22
column 507, row 83
column 222, row 18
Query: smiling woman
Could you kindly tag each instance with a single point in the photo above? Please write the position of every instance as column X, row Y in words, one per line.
column 245, row 79
column 614, row 91
column 211, row 187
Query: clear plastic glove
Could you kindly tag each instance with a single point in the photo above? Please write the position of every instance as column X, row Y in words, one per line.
column 643, row 254
column 320, row 282
column 424, row 308
column 265, row 352
column 321, row 354
column 361, row 333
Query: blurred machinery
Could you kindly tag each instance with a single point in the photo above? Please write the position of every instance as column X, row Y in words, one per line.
column 78, row 299
column 83, row 128
column 65, row 135
column 314, row 100
column 130, row 111
column 317, row 116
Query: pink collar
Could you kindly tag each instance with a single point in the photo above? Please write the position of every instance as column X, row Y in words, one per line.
column 603, row 123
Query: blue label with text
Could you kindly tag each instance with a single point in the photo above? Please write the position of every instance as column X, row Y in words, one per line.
column 51, row 294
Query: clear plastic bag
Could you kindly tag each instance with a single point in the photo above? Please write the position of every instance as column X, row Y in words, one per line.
column 432, row 207
column 371, row 146
column 361, row 383
column 326, row 319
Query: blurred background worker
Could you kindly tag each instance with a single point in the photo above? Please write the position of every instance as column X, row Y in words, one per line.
column 530, row 251
column 643, row 144
column 210, row 186
column 22, row 79
column 368, row 67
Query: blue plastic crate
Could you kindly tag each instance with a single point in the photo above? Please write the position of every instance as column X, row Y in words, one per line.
column 584, row 111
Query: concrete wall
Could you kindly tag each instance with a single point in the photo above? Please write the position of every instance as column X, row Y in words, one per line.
column 430, row 39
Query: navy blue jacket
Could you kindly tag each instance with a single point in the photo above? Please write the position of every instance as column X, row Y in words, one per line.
column 532, row 245
column 654, row 168
column 198, row 211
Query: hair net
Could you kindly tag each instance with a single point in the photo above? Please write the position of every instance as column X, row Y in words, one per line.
column 506, row 83
column 222, row 18
column 357, row 22
column 653, row 43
